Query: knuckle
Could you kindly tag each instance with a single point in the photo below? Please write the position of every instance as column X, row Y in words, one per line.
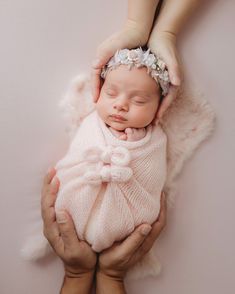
column 144, row 249
column 71, row 257
column 122, row 259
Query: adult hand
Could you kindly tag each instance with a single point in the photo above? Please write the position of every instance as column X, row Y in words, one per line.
column 116, row 260
column 77, row 256
column 164, row 45
column 129, row 37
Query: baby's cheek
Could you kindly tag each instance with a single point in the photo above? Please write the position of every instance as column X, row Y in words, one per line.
column 101, row 108
column 145, row 116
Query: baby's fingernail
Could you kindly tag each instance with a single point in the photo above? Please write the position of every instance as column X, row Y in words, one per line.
column 145, row 230
column 61, row 217
column 96, row 62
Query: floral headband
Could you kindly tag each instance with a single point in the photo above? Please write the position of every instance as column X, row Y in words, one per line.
column 139, row 58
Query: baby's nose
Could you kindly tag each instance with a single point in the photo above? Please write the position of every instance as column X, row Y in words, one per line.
column 121, row 104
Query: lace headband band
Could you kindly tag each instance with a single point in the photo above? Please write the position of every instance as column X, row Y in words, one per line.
column 139, row 58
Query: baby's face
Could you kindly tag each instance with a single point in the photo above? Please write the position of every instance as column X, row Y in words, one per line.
column 128, row 98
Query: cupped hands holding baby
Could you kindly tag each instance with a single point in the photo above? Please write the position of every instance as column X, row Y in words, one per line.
column 102, row 206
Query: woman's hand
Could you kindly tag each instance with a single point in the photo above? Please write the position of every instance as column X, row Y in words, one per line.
column 77, row 256
column 163, row 44
column 129, row 37
column 115, row 261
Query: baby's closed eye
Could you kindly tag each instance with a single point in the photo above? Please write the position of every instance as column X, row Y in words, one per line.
column 139, row 101
column 110, row 93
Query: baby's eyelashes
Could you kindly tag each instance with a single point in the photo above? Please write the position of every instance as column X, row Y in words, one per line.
column 111, row 93
column 139, row 101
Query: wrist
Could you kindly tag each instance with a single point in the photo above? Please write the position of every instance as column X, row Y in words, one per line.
column 140, row 31
column 161, row 34
column 74, row 269
column 77, row 283
column 109, row 283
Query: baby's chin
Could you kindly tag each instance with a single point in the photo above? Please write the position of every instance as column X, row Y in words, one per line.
column 117, row 126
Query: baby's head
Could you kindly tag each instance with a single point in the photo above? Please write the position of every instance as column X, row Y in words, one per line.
column 130, row 96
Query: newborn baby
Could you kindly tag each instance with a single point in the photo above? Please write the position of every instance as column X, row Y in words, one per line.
column 112, row 176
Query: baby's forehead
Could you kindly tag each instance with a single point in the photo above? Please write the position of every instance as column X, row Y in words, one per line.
column 136, row 79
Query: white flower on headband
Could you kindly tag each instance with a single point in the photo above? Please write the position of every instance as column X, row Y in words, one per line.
column 139, row 58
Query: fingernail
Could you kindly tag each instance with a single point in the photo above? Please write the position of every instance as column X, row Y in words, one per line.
column 61, row 217
column 96, row 62
column 49, row 170
column 145, row 230
column 175, row 81
column 163, row 196
column 54, row 182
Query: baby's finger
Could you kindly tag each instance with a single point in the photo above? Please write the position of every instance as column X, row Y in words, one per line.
column 128, row 247
column 123, row 137
column 167, row 100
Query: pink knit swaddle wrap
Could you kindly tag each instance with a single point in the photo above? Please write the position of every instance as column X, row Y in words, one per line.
column 111, row 186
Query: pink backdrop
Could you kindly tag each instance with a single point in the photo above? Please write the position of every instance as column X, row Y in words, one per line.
column 46, row 43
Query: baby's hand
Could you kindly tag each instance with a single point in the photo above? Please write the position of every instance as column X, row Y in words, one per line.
column 135, row 134
column 121, row 135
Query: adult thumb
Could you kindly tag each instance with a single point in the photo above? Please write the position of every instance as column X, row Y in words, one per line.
column 66, row 229
column 133, row 242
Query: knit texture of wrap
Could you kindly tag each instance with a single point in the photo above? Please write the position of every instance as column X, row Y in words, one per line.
column 110, row 186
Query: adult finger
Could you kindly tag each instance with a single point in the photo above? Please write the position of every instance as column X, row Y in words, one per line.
column 128, row 247
column 104, row 53
column 167, row 100
column 95, row 83
column 174, row 74
column 157, row 227
column 67, row 230
column 49, row 176
column 50, row 228
column 47, row 180
column 48, row 201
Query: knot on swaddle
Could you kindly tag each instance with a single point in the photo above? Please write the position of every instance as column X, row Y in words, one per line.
column 114, row 165
column 115, row 173
column 116, row 155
